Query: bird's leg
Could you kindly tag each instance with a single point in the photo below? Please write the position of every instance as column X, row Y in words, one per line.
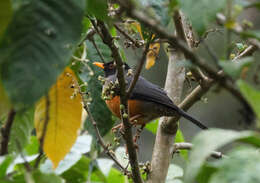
column 133, row 121
column 138, row 133
column 119, row 126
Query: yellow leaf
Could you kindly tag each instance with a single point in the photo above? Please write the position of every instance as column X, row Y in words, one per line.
column 152, row 54
column 5, row 104
column 61, row 110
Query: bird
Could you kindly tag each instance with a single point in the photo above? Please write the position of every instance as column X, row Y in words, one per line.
column 146, row 102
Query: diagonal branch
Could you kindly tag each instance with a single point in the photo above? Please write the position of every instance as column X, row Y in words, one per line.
column 100, row 139
column 128, row 136
column 138, row 70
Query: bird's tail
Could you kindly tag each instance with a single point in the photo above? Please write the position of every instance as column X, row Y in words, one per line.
column 191, row 119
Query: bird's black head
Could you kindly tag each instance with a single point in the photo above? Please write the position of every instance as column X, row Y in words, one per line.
column 110, row 67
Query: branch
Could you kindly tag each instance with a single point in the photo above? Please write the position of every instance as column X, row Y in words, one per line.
column 6, row 130
column 136, row 43
column 223, row 79
column 128, row 136
column 247, row 52
column 188, row 146
column 138, row 70
column 100, row 139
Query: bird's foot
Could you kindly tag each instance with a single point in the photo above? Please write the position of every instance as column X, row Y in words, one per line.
column 119, row 127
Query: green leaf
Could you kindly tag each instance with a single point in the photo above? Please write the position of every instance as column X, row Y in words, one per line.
column 180, row 138
column 98, row 8
column 89, row 74
column 115, row 176
column 234, row 68
column 5, row 14
column 33, row 146
column 152, row 126
column 82, row 171
column 39, row 177
column 174, row 174
column 210, row 140
column 78, row 173
column 205, row 173
column 201, row 12
column 251, row 34
column 158, row 8
column 241, row 166
column 21, row 130
column 5, row 161
column 252, row 95
column 37, row 46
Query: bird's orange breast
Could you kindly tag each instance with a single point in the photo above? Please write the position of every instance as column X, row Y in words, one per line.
column 133, row 107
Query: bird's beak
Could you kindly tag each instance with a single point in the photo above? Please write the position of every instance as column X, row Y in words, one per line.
column 99, row 64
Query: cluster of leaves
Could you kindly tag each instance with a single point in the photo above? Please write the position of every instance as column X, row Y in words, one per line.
column 37, row 40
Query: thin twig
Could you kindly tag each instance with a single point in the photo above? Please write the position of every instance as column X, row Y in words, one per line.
column 26, row 163
column 247, row 52
column 128, row 136
column 45, row 124
column 98, row 51
column 6, row 130
column 138, row 70
column 136, row 43
column 212, row 54
column 189, row 146
column 100, row 139
column 90, row 33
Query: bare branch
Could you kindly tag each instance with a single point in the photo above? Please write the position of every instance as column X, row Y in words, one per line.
column 138, row 70
column 247, row 52
column 6, row 130
column 188, row 146
column 136, row 43
column 98, row 51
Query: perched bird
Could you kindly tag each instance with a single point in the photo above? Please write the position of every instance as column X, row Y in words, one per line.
column 146, row 102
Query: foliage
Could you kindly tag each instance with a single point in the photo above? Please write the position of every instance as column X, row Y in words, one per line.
column 35, row 48
column 47, row 48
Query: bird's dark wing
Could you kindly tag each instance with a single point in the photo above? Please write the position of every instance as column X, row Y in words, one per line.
column 147, row 91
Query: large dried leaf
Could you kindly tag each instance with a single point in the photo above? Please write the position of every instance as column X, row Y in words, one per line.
column 63, row 119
